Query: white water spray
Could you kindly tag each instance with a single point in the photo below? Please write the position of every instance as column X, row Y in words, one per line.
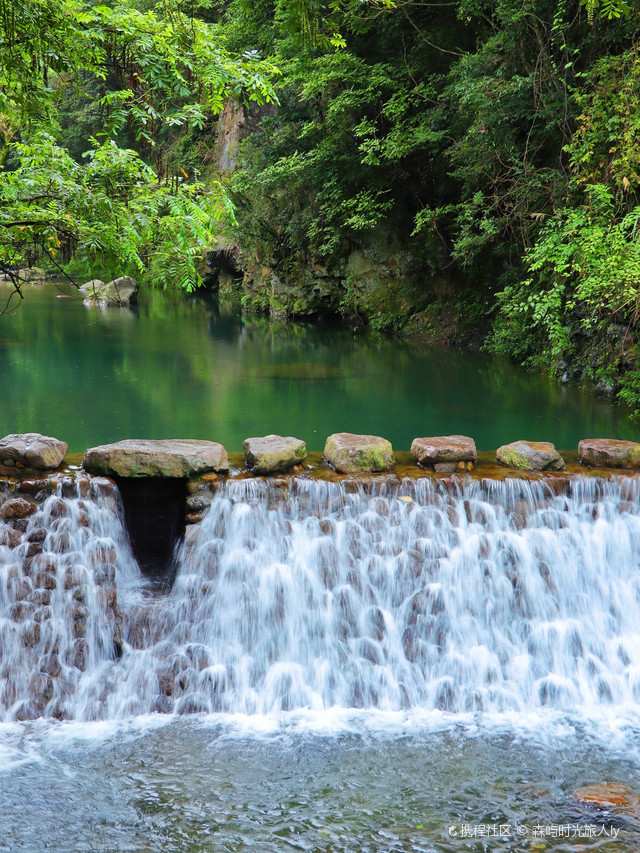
column 458, row 595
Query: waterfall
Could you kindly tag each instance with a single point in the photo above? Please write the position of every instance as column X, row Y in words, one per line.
column 453, row 594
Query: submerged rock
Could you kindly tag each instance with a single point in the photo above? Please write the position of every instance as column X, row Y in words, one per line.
column 530, row 456
column 121, row 291
column 33, row 450
column 610, row 796
column 442, row 450
column 156, row 458
column 349, row 453
column 609, row 453
column 271, row 454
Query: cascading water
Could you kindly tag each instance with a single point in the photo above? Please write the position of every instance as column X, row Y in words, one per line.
column 459, row 595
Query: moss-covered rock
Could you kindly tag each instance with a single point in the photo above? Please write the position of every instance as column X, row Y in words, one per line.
column 271, row 454
column 33, row 450
column 349, row 453
column 530, row 456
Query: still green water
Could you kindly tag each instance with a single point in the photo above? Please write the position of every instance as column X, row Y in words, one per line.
column 186, row 367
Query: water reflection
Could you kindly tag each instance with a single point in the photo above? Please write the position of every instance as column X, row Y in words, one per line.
column 180, row 366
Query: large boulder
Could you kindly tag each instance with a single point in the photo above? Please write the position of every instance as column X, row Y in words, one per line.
column 348, row 453
column 156, row 458
column 609, row 453
column 271, row 454
column 92, row 286
column 445, row 453
column 120, row 291
column 32, row 450
column 530, row 456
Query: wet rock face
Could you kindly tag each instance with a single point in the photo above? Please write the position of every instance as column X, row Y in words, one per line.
column 609, row 453
column 273, row 454
column 530, row 456
column 17, row 508
column 444, row 450
column 176, row 458
column 349, row 453
column 32, row 450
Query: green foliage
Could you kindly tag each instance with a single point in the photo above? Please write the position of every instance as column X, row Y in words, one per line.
column 301, row 189
column 494, row 140
column 584, row 269
column 157, row 73
column 606, row 8
column 111, row 210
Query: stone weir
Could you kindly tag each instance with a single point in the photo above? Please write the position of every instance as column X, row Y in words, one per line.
column 166, row 486
column 313, row 588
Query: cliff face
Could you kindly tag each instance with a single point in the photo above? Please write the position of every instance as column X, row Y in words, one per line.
column 364, row 281
column 235, row 123
column 381, row 280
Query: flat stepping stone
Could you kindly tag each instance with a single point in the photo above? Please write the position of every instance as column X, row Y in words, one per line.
column 609, row 453
column 32, row 450
column 530, row 456
column 156, row 458
column 445, row 453
column 349, row 453
column 272, row 454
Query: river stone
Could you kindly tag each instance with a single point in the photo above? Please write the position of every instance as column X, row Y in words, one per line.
column 120, row 291
column 17, row 508
column 33, row 450
column 610, row 796
column 271, row 454
column 34, row 275
column 156, row 458
column 444, row 449
column 348, row 453
column 530, row 456
column 609, row 453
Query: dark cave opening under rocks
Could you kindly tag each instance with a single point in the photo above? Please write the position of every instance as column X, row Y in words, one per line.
column 154, row 511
